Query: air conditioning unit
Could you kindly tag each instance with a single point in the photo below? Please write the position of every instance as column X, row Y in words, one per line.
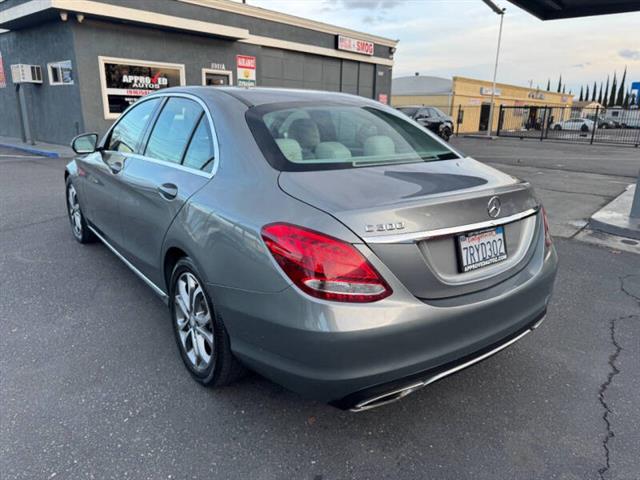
column 21, row 73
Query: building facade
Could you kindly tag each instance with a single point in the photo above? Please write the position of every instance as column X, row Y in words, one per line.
column 468, row 100
column 96, row 58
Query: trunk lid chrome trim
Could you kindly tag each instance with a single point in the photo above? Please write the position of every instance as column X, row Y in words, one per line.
column 444, row 232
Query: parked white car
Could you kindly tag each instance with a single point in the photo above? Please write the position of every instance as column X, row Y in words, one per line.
column 574, row 124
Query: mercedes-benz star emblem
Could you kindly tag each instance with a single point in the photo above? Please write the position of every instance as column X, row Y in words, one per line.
column 493, row 208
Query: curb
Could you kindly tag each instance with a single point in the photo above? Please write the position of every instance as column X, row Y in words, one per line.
column 37, row 151
column 614, row 217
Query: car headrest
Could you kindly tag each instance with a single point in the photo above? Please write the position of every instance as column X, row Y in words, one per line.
column 378, row 145
column 332, row 150
column 290, row 148
column 306, row 132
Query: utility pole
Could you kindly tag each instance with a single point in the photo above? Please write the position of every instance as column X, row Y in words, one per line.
column 499, row 11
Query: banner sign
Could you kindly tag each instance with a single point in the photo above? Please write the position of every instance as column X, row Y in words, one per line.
column 127, row 82
column 354, row 45
column 488, row 90
column 3, row 78
column 383, row 98
column 246, row 70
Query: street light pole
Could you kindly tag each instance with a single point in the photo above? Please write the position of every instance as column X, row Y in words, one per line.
column 498, row 11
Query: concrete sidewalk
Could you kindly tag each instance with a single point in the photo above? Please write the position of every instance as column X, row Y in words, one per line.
column 614, row 218
column 40, row 148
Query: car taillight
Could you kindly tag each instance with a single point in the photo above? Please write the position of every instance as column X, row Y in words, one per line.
column 547, row 235
column 323, row 266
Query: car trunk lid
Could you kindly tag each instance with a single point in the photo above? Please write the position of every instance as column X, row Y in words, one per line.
column 410, row 216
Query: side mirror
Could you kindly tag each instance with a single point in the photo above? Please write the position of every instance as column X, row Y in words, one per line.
column 85, row 143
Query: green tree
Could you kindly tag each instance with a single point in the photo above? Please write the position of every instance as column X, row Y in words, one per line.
column 593, row 93
column 581, row 94
column 606, row 94
column 612, row 97
column 586, row 95
column 621, row 91
column 600, row 95
column 559, row 83
column 625, row 104
column 548, row 85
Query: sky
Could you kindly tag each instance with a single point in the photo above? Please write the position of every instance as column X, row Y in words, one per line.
column 459, row 37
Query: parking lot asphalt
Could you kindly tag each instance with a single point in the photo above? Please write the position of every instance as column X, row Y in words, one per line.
column 572, row 180
column 92, row 386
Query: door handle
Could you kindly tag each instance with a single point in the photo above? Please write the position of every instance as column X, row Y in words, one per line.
column 115, row 167
column 168, row 191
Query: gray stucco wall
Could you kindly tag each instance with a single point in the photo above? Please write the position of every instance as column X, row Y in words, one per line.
column 275, row 67
column 257, row 26
column 54, row 111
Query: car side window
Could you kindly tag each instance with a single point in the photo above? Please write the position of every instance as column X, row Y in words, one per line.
column 126, row 135
column 200, row 154
column 172, row 130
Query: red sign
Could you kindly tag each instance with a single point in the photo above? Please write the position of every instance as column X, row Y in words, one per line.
column 383, row 98
column 246, row 70
column 3, row 79
column 246, row 61
column 354, row 45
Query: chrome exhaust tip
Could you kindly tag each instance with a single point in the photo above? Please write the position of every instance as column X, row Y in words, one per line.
column 386, row 398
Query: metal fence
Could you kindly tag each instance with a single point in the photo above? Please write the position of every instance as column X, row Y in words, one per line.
column 572, row 124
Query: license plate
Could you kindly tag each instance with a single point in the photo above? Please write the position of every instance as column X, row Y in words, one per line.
column 480, row 249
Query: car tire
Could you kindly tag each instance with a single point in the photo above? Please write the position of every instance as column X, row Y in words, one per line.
column 79, row 227
column 199, row 331
column 557, row 128
column 446, row 134
column 584, row 129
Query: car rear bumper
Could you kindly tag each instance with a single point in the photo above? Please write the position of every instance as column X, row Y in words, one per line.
column 344, row 354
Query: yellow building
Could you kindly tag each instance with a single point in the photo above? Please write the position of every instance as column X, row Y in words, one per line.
column 468, row 100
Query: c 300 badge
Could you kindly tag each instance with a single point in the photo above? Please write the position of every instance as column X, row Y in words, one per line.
column 384, row 227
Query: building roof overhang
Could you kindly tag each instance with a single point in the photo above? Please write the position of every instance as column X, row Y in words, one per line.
column 35, row 12
column 558, row 9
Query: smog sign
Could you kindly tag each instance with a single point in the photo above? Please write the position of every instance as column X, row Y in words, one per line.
column 246, row 70
column 354, row 45
column 124, row 83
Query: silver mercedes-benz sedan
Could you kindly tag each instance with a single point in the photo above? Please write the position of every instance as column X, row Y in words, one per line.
column 324, row 240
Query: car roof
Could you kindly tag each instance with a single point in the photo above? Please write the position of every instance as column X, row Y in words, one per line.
column 255, row 96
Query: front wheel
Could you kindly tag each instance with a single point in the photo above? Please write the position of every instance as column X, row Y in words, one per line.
column 201, row 336
column 445, row 133
column 78, row 223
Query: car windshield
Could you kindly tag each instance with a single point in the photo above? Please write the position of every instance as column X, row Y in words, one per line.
column 410, row 111
column 307, row 136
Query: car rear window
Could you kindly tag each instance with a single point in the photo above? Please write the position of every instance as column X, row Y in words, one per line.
column 319, row 136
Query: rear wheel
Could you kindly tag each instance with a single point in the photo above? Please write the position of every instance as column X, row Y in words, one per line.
column 78, row 223
column 557, row 127
column 201, row 336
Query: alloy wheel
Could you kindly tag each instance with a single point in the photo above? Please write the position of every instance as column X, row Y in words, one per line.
column 193, row 321
column 75, row 216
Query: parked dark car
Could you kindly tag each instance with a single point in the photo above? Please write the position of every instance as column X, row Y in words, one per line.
column 432, row 118
column 603, row 122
